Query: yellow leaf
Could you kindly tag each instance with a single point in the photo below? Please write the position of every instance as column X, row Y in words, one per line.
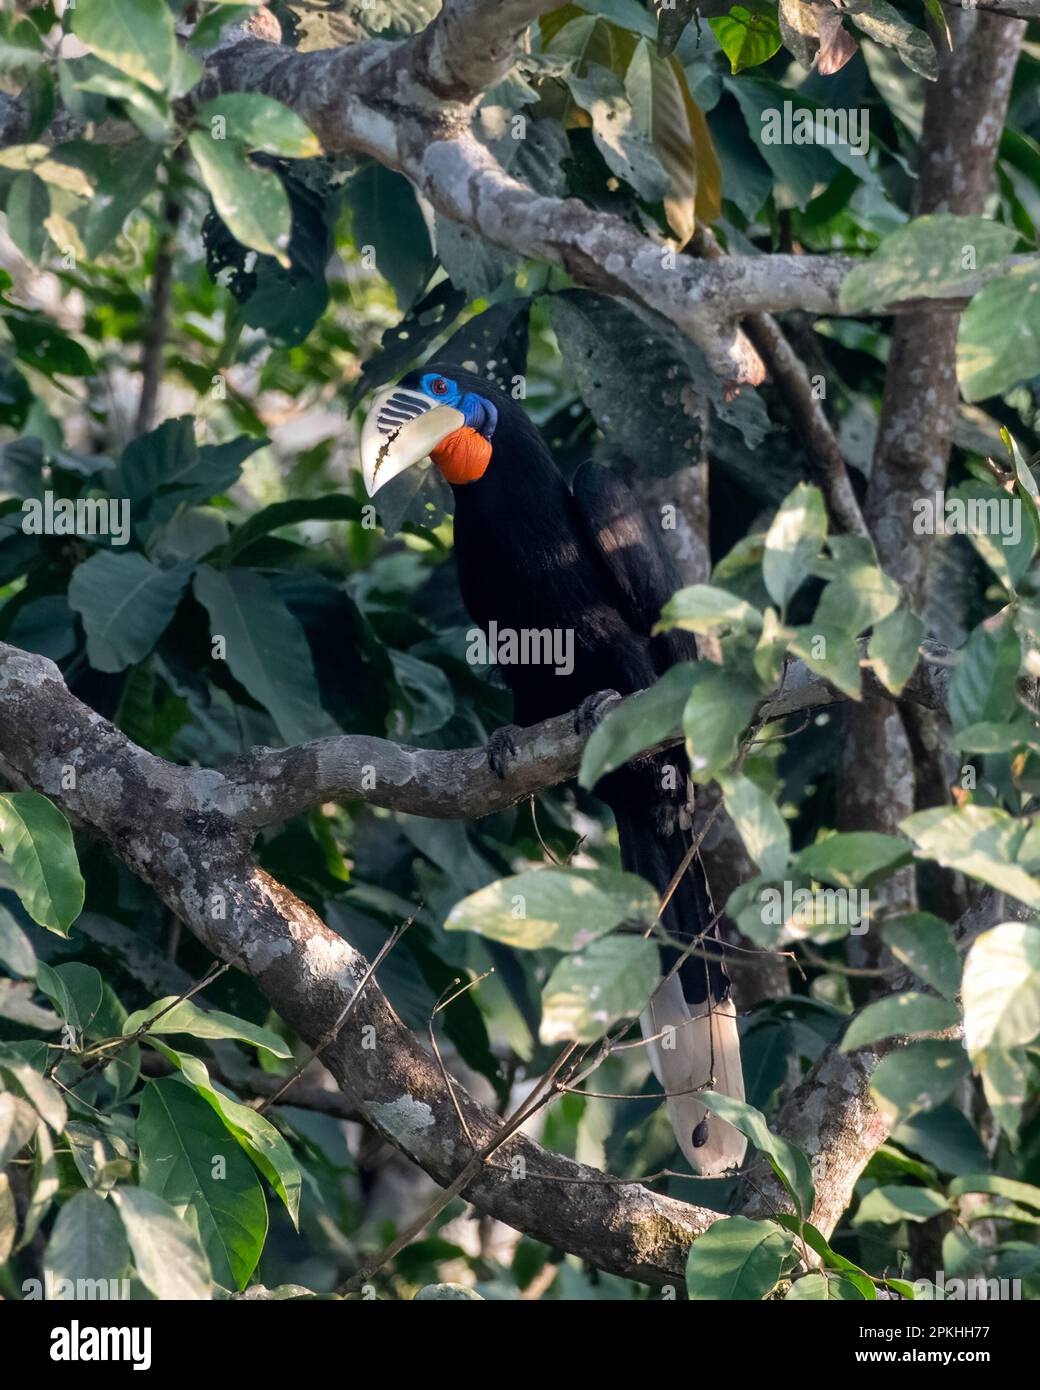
column 665, row 109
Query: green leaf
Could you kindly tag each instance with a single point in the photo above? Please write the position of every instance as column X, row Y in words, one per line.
column 788, row 1162
column 918, row 1077
column 746, row 39
column 1006, row 1083
column 186, row 1017
column 334, row 507
column 16, row 950
column 762, row 828
column 1023, row 1193
column 164, row 468
column 1001, row 988
column 45, row 1184
column 854, row 858
column 46, row 164
column 944, row 1137
column 76, row 991
column 426, row 695
column 830, row 653
column 28, row 207
column 992, row 521
column 648, row 403
column 36, row 841
column 887, row 26
column 926, row 260
column 998, row 341
column 257, row 122
column 589, row 990
column 983, row 686
column 387, row 220
column 900, row 1015
column 666, row 112
column 797, row 170
column 628, row 151
column 43, row 1095
column 40, row 344
column 251, row 201
column 88, row 1244
column 135, row 36
column 126, row 184
column 126, row 604
column 266, row 649
column 18, row 1121
column 978, row 840
column 449, row 1291
column 893, row 648
column 830, row 1259
column 737, row 1259
column 824, row 1286
column 639, row 722
column 900, row 1202
column 168, row 1257
column 860, row 592
column 793, row 542
column 703, row 608
column 718, row 711
column 257, row 1135
column 925, row 944
column 188, row 1158
column 148, row 110
column 565, row 909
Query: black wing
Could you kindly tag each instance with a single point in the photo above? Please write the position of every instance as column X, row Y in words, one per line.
column 635, row 555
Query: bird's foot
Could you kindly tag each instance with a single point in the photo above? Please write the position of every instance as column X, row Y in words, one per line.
column 592, row 709
column 502, row 749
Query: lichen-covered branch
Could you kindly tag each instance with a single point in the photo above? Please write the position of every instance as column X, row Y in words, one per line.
column 410, row 105
column 171, row 826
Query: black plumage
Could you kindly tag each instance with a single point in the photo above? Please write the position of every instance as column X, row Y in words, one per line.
column 533, row 553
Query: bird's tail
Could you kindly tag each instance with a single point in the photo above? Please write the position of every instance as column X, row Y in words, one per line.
column 690, row 1022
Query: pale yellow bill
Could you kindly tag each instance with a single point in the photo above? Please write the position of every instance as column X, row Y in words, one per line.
column 401, row 429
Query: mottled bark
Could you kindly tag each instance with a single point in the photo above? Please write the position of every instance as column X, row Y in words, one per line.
column 170, row 825
column 963, row 119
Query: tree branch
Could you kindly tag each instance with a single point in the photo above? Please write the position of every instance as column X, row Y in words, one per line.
column 410, row 107
column 272, row 784
column 165, row 823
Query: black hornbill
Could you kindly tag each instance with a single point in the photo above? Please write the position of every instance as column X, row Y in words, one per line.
column 535, row 554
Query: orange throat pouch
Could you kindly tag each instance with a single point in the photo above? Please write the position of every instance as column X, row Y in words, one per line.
column 463, row 456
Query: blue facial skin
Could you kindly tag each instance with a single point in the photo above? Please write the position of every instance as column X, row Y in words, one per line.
column 480, row 414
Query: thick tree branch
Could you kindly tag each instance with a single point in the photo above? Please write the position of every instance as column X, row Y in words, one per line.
column 271, row 784
column 156, row 818
column 407, row 105
column 410, row 105
column 165, row 823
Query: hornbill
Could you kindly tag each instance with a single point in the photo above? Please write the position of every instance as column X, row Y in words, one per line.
column 534, row 554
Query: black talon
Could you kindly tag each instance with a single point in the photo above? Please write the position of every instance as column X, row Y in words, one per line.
column 592, row 709
column 501, row 749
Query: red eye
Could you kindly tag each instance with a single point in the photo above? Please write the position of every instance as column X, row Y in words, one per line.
column 439, row 386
